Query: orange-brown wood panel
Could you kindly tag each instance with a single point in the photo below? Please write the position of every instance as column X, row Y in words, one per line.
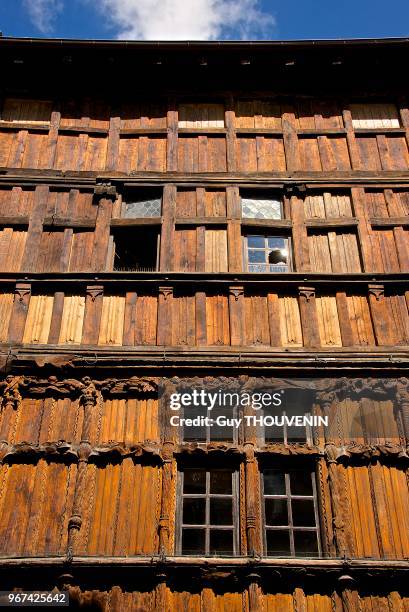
column 120, row 511
column 35, row 507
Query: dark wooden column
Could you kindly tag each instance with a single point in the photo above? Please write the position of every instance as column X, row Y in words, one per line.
column 309, row 317
column 164, row 335
column 380, row 315
column 92, row 315
column 105, row 195
column 168, row 228
column 237, row 316
column 22, row 295
column 35, row 229
column 88, row 400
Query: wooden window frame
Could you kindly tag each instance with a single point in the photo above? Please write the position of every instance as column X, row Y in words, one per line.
column 288, row 497
column 266, row 236
column 207, row 526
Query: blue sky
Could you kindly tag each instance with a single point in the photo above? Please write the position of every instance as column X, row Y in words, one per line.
column 204, row 19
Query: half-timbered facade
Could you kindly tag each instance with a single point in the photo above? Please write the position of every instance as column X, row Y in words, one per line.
column 213, row 214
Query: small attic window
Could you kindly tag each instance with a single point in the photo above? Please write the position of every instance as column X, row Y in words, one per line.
column 142, row 204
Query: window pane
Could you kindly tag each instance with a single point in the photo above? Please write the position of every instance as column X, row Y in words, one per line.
column 221, row 542
column 255, row 208
column 257, row 256
column 301, row 483
column 260, row 268
column 142, row 208
column 276, row 242
column 221, row 511
column 194, row 481
column 257, row 242
column 305, row 543
column 303, row 512
column 278, row 256
column 220, row 432
column 276, row 511
column 274, row 482
column 278, row 542
column 193, row 541
column 194, row 511
column 195, row 432
column 221, row 481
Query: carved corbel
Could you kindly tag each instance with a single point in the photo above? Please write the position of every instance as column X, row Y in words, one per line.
column 106, row 191
column 21, row 291
column 165, row 292
column 95, row 291
column 377, row 291
column 236, row 292
column 307, row 292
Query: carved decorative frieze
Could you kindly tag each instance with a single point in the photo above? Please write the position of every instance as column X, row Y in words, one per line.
column 78, row 452
column 10, row 392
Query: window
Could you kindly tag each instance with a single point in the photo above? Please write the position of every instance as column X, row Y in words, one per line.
column 201, row 116
column 267, row 253
column 211, row 432
column 134, row 250
column 290, row 513
column 143, row 205
column 294, row 403
column 208, row 512
column 260, row 206
column 374, row 116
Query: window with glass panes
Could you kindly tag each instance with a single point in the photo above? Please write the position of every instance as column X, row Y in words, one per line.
column 290, row 513
column 210, row 431
column 260, row 206
column 208, row 512
column 267, row 253
column 294, row 403
column 144, row 202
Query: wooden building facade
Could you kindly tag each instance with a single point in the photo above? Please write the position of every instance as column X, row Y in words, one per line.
column 206, row 214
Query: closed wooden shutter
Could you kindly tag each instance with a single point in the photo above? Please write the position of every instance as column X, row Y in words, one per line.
column 6, row 305
column 327, row 206
column 112, row 320
column 334, row 252
column 72, row 319
column 216, row 251
column 290, row 321
column 328, row 323
column 12, row 244
column 38, row 319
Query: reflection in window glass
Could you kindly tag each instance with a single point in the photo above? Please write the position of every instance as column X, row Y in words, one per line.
column 208, row 512
column 290, row 513
column 267, row 253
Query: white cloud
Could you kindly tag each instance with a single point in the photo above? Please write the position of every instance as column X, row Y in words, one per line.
column 43, row 12
column 186, row 19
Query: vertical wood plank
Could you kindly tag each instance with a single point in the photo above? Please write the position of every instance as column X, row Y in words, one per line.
column 237, row 316
column 56, row 317
column 35, row 229
column 309, row 318
column 165, row 316
column 168, row 227
column 92, row 316
column 22, row 295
